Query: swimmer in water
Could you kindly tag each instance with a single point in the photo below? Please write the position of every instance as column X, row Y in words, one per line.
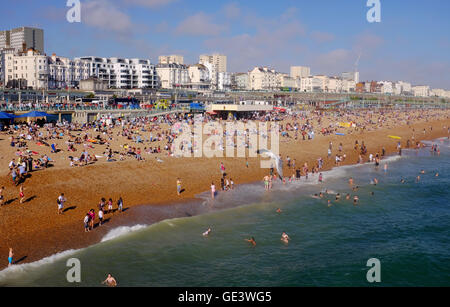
column 251, row 240
column 355, row 188
column 321, row 195
column 110, row 281
column 418, row 179
column 279, row 210
column 338, row 196
column 329, row 203
column 206, row 233
column 350, row 181
column 402, row 181
column 285, row 238
column 422, row 172
column 347, row 197
column 437, row 175
column 355, row 200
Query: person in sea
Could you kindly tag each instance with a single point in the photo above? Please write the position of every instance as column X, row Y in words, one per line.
column 110, row 281
column 206, row 233
column 251, row 240
column 285, row 238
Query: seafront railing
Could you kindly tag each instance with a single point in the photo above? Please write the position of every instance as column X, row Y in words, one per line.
column 10, row 108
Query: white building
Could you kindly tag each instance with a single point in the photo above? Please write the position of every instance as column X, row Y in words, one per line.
column 240, row 81
column 351, row 76
column 421, row 91
column 217, row 63
column 387, row 87
column 286, row 81
column 26, row 70
column 171, row 59
column 22, row 39
column 300, row 72
column 121, row 73
column 172, row 75
column 224, row 81
column 405, row 88
column 438, row 92
column 66, row 73
column 262, row 78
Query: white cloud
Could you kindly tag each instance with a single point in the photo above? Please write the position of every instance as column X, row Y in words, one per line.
column 199, row 24
column 103, row 15
column 322, row 37
column 232, row 10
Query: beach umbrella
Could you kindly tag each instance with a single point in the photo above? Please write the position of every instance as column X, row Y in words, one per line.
column 36, row 114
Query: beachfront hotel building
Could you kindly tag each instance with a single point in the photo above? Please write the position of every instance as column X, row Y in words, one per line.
column 172, row 75
column 23, row 38
column 27, row 70
column 263, row 78
column 122, row 73
column 66, row 73
column 171, row 59
column 421, row 91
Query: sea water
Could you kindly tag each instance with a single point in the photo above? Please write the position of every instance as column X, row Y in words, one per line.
column 406, row 226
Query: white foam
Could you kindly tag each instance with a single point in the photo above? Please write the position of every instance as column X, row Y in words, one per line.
column 120, row 231
column 26, row 267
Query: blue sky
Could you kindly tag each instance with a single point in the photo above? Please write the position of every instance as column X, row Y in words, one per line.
column 411, row 43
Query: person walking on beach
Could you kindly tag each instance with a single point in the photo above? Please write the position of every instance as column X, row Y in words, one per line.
column 110, row 281
column 213, row 190
column 21, row 194
column 86, row 222
column 2, row 200
column 92, row 218
column 120, row 204
column 61, row 199
column 10, row 257
column 110, row 206
column 222, row 168
column 100, row 217
column 178, row 186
